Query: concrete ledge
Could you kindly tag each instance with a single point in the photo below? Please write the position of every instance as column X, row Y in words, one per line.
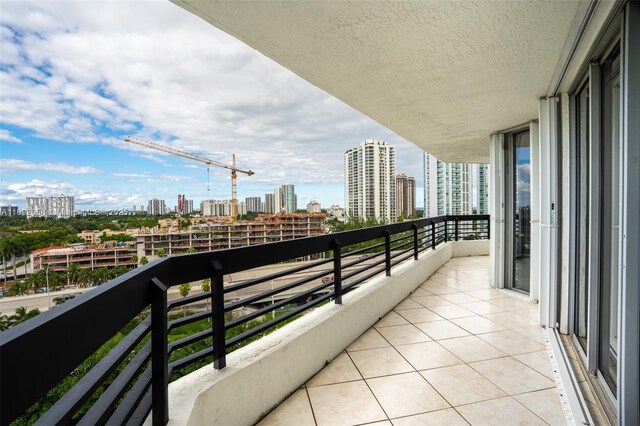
column 264, row 373
column 471, row 248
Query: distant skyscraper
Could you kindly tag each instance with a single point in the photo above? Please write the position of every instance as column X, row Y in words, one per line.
column 430, row 177
column 369, row 181
column 454, row 188
column 8, row 210
column 156, row 207
column 269, row 207
column 278, row 200
column 184, row 206
column 314, row 207
column 482, row 189
column 289, row 198
column 405, row 195
column 221, row 208
column 60, row 207
column 254, row 204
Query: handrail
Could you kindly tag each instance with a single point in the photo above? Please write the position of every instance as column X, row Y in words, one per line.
column 37, row 354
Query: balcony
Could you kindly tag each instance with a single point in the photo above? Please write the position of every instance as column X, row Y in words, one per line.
column 412, row 329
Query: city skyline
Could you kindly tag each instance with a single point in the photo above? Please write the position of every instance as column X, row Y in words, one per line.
column 63, row 120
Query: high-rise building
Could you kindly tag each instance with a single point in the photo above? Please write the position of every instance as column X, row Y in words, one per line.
column 8, row 210
column 184, row 206
column 454, row 188
column 269, row 206
column 156, row 207
column 314, row 207
column 369, row 180
column 60, row 207
column 278, row 200
column 482, row 189
column 405, row 195
column 221, row 208
column 290, row 202
column 254, row 204
column 430, row 181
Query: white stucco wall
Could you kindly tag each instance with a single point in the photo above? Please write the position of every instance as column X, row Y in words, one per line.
column 264, row 373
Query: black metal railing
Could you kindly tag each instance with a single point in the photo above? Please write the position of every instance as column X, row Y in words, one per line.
column 140, row 335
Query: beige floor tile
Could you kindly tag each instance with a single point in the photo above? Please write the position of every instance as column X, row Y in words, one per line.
column 512, row 376
column 427, row 355
column 429, row 301
column 446, row 280
column 380, row 362
column 293, row 411
column 511, row 304
column 403, row 334
column 340, row 370
column 471, row 348
column 477, row 324
column 461, row 384
column 406, row 394
column 511, row 342
column 448, row 417
column 535, row 333
column 503, row 412
column 392, row 318
column 539, row 361
column 371, row 339
column 545, row 404
column 486, row 294
column 419, row 315
column 345, row 404
column 459, row 298
column 510, row 320
column 439, row 330
column 437, row 288
column 481, row 307
column 451, row 311
column 420, row 292
column 407, row 303
column 382, row 423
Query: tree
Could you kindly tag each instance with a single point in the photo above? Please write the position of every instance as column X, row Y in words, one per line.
column 191, row 250
column 161, row 252
column 184, row 289
column 19, row 288
column 85, row 277
column 15, row 247
column 101, row 275
column 144, row 260
column 4, row 253
column 72, row 274
column 206, row 285
column 55, row 280
column 134, row 258
column 21, row 315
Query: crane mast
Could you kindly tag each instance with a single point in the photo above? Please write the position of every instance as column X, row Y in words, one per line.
column 208, row 162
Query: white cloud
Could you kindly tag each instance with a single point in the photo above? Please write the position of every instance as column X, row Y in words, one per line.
column 6, row 135
column 13, row 164
column 152, row 69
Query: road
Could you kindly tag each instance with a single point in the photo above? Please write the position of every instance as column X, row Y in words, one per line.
column 8, row 305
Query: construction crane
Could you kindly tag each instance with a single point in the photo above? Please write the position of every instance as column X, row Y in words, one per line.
column 232, row 167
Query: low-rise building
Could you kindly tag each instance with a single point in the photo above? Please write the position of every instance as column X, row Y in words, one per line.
column 93, row 257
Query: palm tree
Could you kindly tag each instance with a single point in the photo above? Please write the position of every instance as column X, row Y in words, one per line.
column 72, row 274
column 191, row 250
column 5, row 253
column 19, row 288
column 101, row 275
column 144, row 260
column 55, row 280
column 184, row 289
column 206, row 285
column 161, row 252
column 85, row 277
column 134, row 258
column 15, row 247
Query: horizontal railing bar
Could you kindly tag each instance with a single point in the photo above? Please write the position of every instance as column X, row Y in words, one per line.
column 361, row 270
column 128, row 405
column 276, row 305
column 190, row 359
column 106, row 404
column 142, row 411
column 64, row 409
column 362, row 250
column 400, row 253
column 262, row 327
column 361, row 260
column 188, row 320
column 187, row 300
column 188, row 340
column 402, row 259
column 255, row 298
column 362, row 279
column 274, row 276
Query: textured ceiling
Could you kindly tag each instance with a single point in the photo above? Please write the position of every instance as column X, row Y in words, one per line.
column 442, row 74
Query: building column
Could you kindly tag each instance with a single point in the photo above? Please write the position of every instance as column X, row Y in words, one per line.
column 496, row 211
column 548, row 189
column 534, row 274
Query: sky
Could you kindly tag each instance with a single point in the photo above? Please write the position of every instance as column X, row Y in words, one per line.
column 77, row 77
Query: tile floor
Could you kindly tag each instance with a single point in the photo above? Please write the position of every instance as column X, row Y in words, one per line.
column 455, row 352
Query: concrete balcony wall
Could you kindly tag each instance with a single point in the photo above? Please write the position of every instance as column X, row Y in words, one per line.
column 264, row 373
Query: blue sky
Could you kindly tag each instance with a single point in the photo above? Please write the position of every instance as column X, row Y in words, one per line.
column 77, row 77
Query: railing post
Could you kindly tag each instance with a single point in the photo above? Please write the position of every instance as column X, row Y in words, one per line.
column 433, row 234
column 415, row 241
column 159, row 366
column 446, row 230
column 217, row 317
column 387, row 251
column 337, row 272
column 457, row 222
column 489, row 229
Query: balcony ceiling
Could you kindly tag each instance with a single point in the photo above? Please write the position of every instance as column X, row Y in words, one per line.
column 442, row 74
